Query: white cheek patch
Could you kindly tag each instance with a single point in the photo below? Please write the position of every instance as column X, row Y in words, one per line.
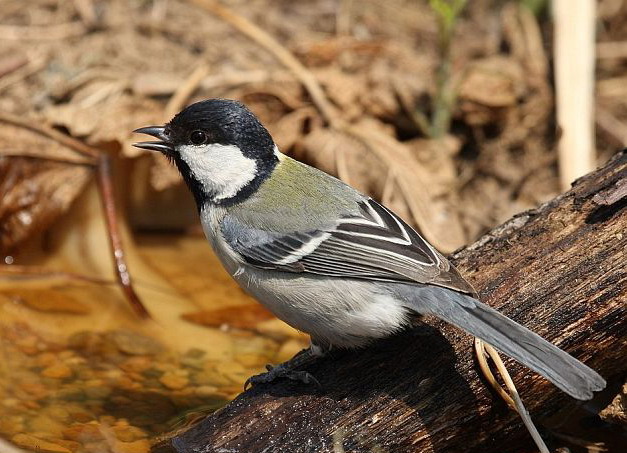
column 221, row 169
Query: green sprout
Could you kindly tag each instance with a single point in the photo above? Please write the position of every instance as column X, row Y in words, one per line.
column 447, row 12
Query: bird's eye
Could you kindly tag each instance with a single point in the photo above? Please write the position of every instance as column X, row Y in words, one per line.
column 198, row 137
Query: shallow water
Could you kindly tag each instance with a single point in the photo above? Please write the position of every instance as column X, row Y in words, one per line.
column 79, row 372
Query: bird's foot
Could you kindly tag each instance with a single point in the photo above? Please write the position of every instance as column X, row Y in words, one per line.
column 281, row 371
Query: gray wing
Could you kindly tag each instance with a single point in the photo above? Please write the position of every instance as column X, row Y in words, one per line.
column 374, row 245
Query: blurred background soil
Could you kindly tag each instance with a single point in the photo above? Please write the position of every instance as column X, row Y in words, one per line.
column 95, row 70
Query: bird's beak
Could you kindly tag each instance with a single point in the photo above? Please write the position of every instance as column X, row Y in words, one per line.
column 163, row 146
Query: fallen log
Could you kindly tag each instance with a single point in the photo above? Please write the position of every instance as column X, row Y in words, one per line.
column 559, row 269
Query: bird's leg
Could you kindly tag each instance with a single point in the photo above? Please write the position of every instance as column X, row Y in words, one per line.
column 288, row 369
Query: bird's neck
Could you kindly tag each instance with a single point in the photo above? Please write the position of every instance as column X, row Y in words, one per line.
column 217, row 189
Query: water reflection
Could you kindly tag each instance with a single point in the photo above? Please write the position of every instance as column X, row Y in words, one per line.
column 80, row 373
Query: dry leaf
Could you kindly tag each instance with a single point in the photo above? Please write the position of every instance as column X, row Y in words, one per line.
column 493, row 82
column 39, row 179
column 239, row 316
column 340, row 154
column 110, row 118
column 288, row 130
column 47, row 300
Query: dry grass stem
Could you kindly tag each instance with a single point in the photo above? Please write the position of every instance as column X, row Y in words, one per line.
column 611, row 125
column 51, row 133
column 42, row 32
column 574, row 73
column 183, row 93
column 33, row 66
column 483, row 350
column 280, row 52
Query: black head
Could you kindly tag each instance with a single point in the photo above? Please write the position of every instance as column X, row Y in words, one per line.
column 221, row 149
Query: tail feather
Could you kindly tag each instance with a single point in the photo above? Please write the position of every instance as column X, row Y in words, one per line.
column 509, row 337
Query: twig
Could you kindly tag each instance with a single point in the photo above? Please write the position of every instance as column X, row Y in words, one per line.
column 182, row 94
column 21, row 272
column 341, row 166
column 34, row 65
column 106, row 194
column 25, row 154
column 590, row 447
column 12, row 63
column 343, row 18
column 612, row 88
column 280, row 52
column 86, row 10
column 611, row 125
column 30, row 272
column 159, row 11
column 388, row 187
column 42, row 32
column 121, row 269
column 611, row 50
column 157, row 85
column 512, row 399
column 51, row 133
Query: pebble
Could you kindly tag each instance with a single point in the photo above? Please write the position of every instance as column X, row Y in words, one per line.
column 185, row 398
column 129, row 433
column 138, row 446
column 28, row 344
column 133, row 343
column 174, row 381
column 234, row 371
column 58, row 371
column 206, row 391
column 97, row 392
column 152, row 373
column 33, row 443
column 11, row 424
column 35, row 389
column 87, row 432
column 210, row 377
column 46, row 359
column 82, row 416
column 71, row 445
column 73, row 393
column 85, row 340
column 59, row 413
column 252, row 360
column 136, row 364
column 195, row 353
column 112, row 391
column 46, row 424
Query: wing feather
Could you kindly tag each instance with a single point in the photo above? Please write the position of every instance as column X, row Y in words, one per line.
column 376, row 245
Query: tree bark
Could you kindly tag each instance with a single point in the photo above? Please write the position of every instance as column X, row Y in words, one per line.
column 559, row 270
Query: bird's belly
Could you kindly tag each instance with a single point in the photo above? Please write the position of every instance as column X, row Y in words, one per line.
column 335, row 312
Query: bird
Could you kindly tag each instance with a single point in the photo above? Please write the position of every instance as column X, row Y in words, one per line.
column 325, row 258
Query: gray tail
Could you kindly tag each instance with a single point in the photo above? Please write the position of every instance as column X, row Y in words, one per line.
column 509, row 337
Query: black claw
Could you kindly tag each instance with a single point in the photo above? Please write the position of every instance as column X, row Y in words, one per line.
column 278, row 372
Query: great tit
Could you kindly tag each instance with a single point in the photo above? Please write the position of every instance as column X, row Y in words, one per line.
column 323, row 257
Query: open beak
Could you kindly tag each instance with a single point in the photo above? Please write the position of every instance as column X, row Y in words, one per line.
column 163, row 146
